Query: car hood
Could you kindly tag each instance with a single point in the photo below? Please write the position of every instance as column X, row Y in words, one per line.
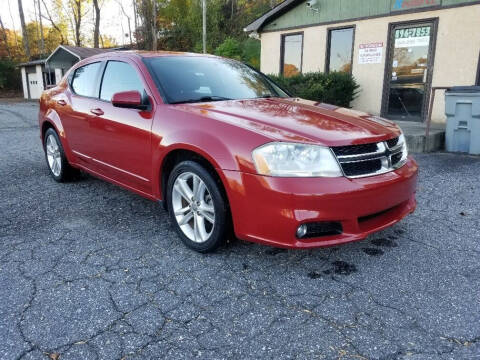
column 293, row 119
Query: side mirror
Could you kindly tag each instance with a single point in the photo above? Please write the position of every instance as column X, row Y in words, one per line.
column 128, row 100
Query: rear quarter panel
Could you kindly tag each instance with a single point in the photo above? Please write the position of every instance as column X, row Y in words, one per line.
column 48, row 115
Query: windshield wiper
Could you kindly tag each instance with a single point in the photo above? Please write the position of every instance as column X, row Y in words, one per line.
column 202, row 99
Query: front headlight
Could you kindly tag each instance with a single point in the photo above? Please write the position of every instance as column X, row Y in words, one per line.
column 292, row 159
column 403, row 142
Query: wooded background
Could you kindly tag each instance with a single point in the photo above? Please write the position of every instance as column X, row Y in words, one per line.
column 152, row 24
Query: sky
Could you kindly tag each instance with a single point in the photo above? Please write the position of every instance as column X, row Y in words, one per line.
column 111, row 20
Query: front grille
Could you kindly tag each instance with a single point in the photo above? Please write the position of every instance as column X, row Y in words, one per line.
column 372, row 158
column 362, row 167
column 354, row 149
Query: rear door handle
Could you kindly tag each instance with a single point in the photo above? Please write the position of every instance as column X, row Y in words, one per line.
column 61, row 102
column 97, row 111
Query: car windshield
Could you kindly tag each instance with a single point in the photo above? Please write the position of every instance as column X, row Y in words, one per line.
column 190, row 79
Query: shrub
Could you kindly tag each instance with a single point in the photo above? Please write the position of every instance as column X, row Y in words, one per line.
column 247, row 51
column 9, row 76
column 251, row 52
column 230, row 48
column 333, row 88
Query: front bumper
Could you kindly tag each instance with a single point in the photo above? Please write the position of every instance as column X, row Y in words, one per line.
column 269, row 210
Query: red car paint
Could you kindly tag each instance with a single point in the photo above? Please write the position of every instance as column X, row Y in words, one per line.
column 128, row 147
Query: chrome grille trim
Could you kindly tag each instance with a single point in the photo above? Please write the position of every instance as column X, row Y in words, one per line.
column 384, row 153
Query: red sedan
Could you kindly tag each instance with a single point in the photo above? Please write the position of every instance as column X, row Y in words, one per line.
column 223, row 147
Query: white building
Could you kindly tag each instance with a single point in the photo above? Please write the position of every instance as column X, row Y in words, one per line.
column 39, row 74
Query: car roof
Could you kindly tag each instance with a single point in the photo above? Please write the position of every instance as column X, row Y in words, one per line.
column 147, row 54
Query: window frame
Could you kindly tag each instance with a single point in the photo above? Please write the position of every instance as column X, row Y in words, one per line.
column 104, row 69
column 282, row 50
column 477, row 81
column 329, row 45
column 96, row 88
column 146, row 95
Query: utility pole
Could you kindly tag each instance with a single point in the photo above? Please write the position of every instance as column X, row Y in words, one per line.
column 204, row 14
column 136, row 21
column 154, row 26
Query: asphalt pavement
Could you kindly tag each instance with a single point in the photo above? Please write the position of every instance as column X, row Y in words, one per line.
column 91, row 271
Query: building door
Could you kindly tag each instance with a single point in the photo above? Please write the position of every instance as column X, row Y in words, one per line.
column 35, row 85
column 409, row 71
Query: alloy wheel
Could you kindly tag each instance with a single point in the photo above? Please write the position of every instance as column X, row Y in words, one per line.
column 54, row 156
column 193, row 207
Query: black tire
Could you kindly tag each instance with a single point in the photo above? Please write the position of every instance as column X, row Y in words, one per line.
column 67, row 172
column 219, row 233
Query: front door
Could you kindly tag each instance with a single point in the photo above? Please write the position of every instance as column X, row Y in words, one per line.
column 122, row 149
column 409, row 71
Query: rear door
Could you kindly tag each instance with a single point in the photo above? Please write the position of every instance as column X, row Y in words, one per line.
column 122, row 149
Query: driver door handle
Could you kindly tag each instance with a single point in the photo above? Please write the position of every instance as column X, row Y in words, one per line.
column 97, row 111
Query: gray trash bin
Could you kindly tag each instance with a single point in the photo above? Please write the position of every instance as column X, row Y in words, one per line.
column 462, row 107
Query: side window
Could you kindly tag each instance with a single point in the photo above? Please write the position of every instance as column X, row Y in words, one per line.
column 84, row 79
column 119, row 76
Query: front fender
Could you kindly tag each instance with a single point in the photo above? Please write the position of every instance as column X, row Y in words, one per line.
column 205, row 144
column 202, row 143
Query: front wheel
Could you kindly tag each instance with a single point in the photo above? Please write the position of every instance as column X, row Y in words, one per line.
column 197, row 207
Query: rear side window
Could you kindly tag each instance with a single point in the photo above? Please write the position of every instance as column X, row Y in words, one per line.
column 119, row 76
column 84, row 79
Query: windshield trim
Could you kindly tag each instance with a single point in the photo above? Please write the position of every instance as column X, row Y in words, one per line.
column 269, row 82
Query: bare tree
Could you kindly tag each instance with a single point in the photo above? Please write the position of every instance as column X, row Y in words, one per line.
column 24, row 29
column 54, row 25
column 13, row 24
column 119, row 2
column 42, row 41
column 5, row 39
column 76, row 6
column 96, row 31
column 135, row 17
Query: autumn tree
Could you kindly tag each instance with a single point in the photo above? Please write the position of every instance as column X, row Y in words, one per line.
column 78, row 11
column 54, row 15
column 4, row 38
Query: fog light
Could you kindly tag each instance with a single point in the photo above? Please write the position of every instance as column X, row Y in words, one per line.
column 302, row 231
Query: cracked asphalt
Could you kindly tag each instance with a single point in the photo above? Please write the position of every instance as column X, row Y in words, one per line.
column 91, row 271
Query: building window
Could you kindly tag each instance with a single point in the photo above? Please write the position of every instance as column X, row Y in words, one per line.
column 292, row 53
column 340, row 50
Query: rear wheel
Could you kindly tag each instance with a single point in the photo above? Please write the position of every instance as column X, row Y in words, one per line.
column 197, row 207
column 57, row 162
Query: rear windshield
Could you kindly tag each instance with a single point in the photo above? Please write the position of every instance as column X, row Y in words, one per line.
column 184, row 79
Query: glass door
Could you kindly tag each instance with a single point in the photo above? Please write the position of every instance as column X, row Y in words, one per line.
column 409, row 75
